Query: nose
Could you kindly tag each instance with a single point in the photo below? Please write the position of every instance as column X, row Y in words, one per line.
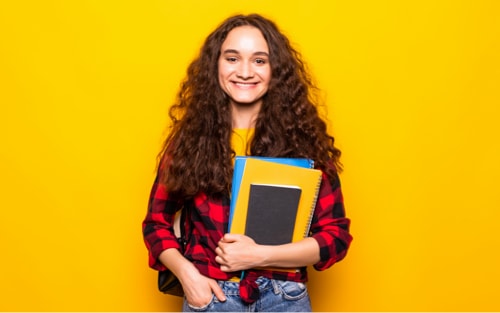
column 245, row 70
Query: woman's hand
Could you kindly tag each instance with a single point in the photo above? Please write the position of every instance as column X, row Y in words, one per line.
column 199, row 289
column 238, row 252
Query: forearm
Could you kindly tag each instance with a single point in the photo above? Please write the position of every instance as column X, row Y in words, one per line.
column 198, row 289
column 292, row 255
column 178, row 264
column 239, row 252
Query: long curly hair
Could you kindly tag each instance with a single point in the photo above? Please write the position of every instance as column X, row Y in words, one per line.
column 197, row 156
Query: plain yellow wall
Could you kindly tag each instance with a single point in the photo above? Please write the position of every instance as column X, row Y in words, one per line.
column 413, row 96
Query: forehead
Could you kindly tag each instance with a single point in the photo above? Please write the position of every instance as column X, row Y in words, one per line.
column 245, row 38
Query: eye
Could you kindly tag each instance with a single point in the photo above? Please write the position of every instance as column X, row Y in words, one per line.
column 260, row 61
column 231, row 59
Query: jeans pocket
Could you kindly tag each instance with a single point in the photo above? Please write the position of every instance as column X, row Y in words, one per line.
column 292, row 290
column 204, row 308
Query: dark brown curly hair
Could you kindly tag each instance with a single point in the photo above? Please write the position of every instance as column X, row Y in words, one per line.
column 197, row 155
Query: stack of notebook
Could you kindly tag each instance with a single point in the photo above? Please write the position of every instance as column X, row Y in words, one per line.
column 273, row 199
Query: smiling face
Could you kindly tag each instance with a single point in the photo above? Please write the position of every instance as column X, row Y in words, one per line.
column 244, row 69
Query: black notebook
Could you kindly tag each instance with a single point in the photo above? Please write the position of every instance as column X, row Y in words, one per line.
column 272, row 210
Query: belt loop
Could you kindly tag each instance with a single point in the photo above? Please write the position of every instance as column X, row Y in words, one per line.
column 276, row 287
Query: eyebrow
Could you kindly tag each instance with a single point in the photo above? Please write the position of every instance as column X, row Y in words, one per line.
column 237, row 52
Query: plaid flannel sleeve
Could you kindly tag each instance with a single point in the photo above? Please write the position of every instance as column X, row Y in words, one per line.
column 329, row 226
column 157, row 227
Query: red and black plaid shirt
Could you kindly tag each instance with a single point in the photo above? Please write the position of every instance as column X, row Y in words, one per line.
column 209, row 221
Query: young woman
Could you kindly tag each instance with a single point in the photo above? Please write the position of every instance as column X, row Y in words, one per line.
column 247, row 93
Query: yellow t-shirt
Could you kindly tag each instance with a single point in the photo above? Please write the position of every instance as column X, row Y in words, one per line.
column 240, row 140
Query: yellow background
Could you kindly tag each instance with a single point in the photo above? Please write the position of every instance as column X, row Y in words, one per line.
column 413, row 96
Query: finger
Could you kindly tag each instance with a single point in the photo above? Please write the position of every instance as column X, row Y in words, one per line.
column 230, row 237
column 217, row 290
column 220, row 260
column 221, row 244
column 220, row 251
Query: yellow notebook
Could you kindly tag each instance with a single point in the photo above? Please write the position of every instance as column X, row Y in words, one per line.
column 265, row 173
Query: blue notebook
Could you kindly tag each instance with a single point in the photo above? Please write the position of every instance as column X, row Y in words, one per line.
column 239, row 166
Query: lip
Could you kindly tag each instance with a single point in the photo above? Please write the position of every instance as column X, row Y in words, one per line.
column 244, row 84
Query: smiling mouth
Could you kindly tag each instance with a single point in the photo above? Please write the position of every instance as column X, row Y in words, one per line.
column 245, row 85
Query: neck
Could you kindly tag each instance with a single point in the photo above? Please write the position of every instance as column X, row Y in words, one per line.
column 244, row 116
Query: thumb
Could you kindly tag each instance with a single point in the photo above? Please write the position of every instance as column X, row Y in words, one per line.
column 217, row 290
column 228, row 237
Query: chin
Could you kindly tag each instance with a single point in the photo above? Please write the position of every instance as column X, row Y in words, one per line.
column 244, row 102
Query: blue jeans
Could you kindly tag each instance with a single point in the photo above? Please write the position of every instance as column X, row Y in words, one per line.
column 275, row 296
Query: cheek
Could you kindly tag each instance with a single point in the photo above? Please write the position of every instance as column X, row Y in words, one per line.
column 224, row 72
column 265, row 74
column 221, row 76
column 220, row 69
